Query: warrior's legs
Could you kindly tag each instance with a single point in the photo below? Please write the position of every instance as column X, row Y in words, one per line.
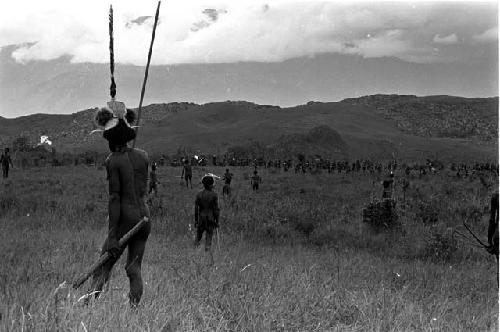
column 208, row 244
column 208, row 238
column 136, row 250
column 102, row 274
column 199, row 235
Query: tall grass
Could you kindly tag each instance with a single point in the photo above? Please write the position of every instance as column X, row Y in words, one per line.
column 293, row 257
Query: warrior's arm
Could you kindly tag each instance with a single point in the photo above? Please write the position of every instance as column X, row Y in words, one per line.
column 183, row 168
column 114, row 200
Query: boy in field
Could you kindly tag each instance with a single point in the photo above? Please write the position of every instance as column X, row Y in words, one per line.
column 127, row 170
column 255, row 180
column 226, row 190
column 6, row 161
column 187, row 173
column 206, row 214
column 388, row 185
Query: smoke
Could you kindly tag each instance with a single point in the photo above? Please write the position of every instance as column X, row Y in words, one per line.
column 44, row 139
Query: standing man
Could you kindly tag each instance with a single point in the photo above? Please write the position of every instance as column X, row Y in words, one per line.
column 153, row 180
column 255, row 180
column 127, row 170
column 187, row 173
column 388, row 185
column 226, row 190
column 206, row 214
column 6, row 161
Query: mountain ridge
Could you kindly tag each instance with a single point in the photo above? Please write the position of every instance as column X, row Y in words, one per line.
column 368, row 125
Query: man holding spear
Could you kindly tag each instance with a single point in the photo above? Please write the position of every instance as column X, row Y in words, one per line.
column 127, row 170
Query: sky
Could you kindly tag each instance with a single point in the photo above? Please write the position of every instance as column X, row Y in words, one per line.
column 223, row 31
column 254, row 50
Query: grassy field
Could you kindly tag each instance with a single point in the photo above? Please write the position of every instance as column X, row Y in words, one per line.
column 294, row 257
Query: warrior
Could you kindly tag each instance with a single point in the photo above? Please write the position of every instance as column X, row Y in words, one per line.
column 153, row 180
column 127, row 173
column 206, row 214
column 187, row 173
column 388, row 184
column 6, row 161
column 255, row 180
column 226, row 190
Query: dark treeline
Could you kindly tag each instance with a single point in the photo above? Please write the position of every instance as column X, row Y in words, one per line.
column 44, row 155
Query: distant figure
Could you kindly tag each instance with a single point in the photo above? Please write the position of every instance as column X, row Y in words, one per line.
column 153, row 180
column 226, row 190
column 255, row 180
column 388, row 185
column 127, row 170
column 187, row 173
column 493, row 226
column 6, row 161
column 206, row 214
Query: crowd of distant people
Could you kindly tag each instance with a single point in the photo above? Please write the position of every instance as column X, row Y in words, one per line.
column 315, row 165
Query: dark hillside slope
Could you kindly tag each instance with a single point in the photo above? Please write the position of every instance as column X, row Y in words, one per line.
column 438, row 116
column 373, row 126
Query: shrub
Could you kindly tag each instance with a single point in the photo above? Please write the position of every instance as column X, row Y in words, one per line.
column 8, row 203
column 305, row 227
column 428, row 212
column 440, row 247
column 381, row 214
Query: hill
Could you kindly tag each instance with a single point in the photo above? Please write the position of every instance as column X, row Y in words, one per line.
column 378, row 126
column 438, row 116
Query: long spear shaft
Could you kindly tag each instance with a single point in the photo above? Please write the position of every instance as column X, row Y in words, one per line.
column 474, row 235
column 146, row 72
column 112, row 88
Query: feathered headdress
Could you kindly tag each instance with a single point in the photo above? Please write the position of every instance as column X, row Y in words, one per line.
column 108, row 117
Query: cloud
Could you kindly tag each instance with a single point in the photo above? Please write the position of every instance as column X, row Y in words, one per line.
column 212, row 16
column 447, row 40
column 487, row 36
column 137, row 21
column 200, row 31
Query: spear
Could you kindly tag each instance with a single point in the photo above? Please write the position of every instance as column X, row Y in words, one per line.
column 146, row 72
column 106, row 256
column 474, row 235
column 112, row 88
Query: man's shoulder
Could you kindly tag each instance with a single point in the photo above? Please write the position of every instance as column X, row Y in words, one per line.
column 140, row 152
column 207, row 194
